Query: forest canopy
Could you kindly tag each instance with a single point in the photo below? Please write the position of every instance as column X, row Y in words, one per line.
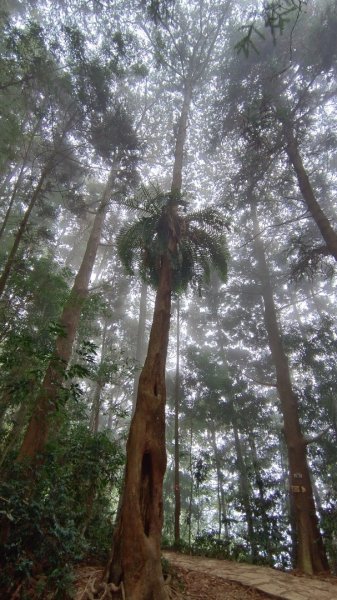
column 167, row 282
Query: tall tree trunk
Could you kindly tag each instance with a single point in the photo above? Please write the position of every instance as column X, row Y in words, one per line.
column 37, row 432
column 177, row 176
column 135, row 557
column 328, row 233
column 22, row 228
column 311, row 557
column 261, row 490
column 110, row 411
column 190, row 503
column 19, row 421
column 12, row 200
column 222, row 509
column 96, row 402
column 140, row 348
column 95, row 408
column 244, row 491
column 177, row 499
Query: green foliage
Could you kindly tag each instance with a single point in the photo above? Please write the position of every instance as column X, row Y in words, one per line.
column 159, row 11
column 113, row 131
column 198, row 240
column 68, row 515
column 276, row 15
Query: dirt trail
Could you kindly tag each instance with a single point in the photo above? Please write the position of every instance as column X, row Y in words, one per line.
column 275, row 584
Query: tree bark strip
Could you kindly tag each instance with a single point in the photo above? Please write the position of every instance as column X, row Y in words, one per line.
column 177, row 176
column 136, row 550
column 222, row 509
column 22, row 228
column 328, row 233
column 244, row 491
column 135, row 555
column 19, row 179
column 261, row 490
column 177, row 499
column 311, row 557
column 140, row 340
column 37, row 432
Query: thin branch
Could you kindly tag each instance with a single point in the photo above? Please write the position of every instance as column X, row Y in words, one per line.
column 316, row 438
column 264, row 383
column 275, row 225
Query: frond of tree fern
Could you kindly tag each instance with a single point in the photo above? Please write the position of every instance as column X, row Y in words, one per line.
column 210, row 249
column 199, row 241
column 209, row 219
column 150, row 200
column 133, row 241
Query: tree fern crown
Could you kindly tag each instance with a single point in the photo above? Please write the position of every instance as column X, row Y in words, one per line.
column 195, row 242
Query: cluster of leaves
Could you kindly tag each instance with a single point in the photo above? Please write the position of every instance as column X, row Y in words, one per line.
column 46, row 531
column 276, row 15
column 195, row 242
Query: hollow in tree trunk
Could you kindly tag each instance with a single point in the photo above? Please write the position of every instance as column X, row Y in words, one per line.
column 135, row 557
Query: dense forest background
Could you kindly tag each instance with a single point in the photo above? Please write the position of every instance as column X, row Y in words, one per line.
column 99, row 102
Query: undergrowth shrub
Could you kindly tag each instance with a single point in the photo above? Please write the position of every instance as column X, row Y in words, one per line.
column 64, row 516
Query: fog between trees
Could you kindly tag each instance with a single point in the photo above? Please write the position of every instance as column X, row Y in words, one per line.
column 167, row 182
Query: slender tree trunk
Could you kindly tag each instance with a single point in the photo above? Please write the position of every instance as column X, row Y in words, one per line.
column 140, row 348
column 19, row 421
column 177, row 499
column 288, row 499
column 190, row 504
column 328, row 233
column 219, row 482
column 223, row 513
column 110, row 411
column 95, row 408
column 11, row 201
column 181, row 139
column 261, row 490
column 135, row 558
column 311, row 557
column 6, row 180
column 38, row 429
column 22, row 228
column 19, row 179
column 244, row 491
column 96, row 402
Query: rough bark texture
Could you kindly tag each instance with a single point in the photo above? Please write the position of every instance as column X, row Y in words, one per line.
column 140, row 349
column 328, row 233
column 310, row 553
column 177, row 176
column 38, row 428
column 177, row 500
column 135, row 555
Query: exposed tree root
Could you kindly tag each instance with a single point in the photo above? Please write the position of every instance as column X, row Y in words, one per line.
column 93, row 588
column 96, row 589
